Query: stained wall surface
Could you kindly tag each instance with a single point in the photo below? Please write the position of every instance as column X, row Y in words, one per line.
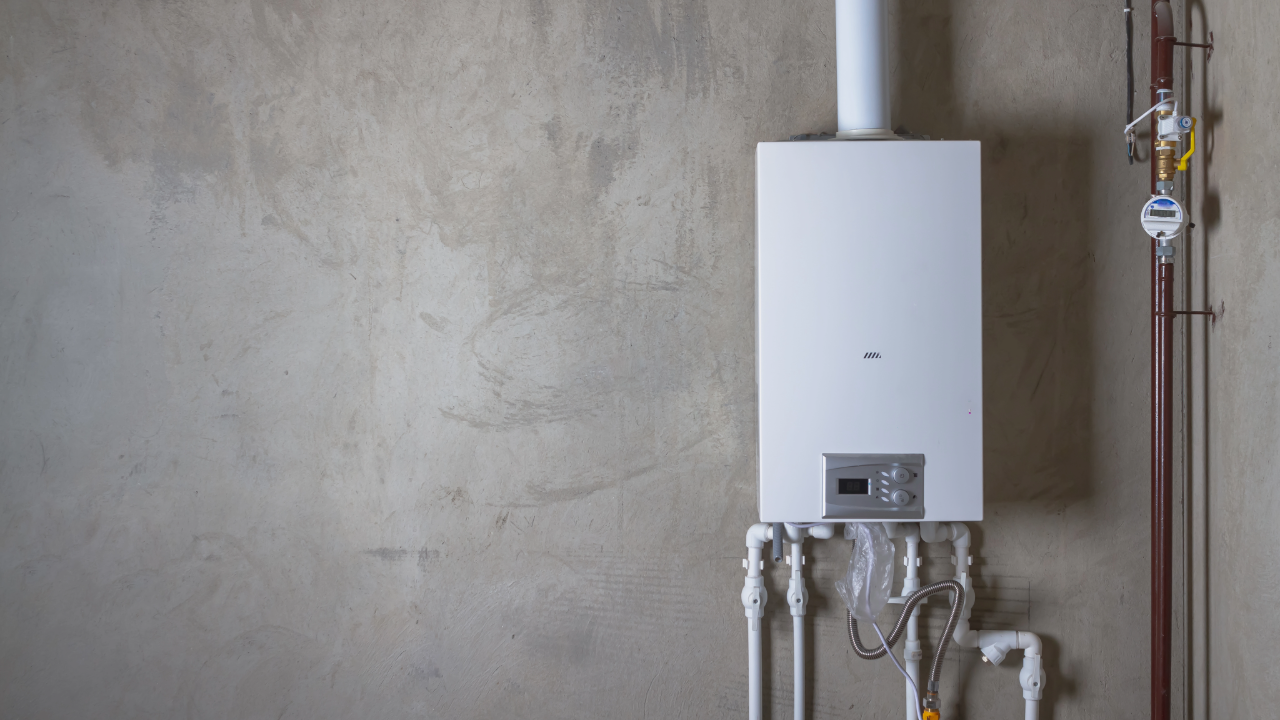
column 1235, row 194
column 393, row 359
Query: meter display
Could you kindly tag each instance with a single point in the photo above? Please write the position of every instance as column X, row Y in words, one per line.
column 1163, row 218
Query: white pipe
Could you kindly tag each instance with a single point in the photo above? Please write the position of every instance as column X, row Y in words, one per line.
column 958, row 534
column 995, row 644
column 911, row 652
column 753, row 672
column 1032, row 676
column 754, row 598
column 797, row 599
column 1030, row 644
column 861, row 78
column 797, row 633
column 825, row 531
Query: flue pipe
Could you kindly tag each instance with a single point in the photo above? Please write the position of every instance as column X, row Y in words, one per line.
column 861, row 75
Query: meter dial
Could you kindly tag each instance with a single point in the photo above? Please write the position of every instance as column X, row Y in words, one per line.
column 1163, row 218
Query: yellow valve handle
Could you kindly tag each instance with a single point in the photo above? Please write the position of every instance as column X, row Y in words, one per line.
column 931, row 715
column 1182, row 164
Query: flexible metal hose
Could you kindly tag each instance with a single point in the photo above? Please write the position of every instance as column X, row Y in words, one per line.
column 935, row 673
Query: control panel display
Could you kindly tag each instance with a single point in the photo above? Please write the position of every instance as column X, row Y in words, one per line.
column 853, row 486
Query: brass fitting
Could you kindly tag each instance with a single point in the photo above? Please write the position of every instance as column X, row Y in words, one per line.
column 931, row 703
column 1166, row 158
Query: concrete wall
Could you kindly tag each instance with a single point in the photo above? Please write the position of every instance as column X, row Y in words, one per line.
column 1236, row 194
column 395, row 359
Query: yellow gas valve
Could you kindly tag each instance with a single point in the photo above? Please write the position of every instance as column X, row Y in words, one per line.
column 1182, row 164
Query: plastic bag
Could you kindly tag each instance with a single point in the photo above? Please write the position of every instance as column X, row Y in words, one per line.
column 869, row 579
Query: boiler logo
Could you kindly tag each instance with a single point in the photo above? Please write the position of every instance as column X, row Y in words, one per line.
column 871, row 356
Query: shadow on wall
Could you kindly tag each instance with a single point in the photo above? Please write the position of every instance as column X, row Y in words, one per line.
column 1037, row 273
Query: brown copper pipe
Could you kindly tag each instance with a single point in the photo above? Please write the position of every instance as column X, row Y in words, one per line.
column 1162, row 496
column 1161, row 402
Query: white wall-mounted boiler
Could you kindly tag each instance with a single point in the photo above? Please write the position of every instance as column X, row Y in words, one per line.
column 869, row 330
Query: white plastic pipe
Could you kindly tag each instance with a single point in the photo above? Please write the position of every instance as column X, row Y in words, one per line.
column 753, row 671
column 1032, row 677
column 797, row 598
column 995, row 644
column 754, row 598
column 797, row 632
column 911, row 652
column 861, row 78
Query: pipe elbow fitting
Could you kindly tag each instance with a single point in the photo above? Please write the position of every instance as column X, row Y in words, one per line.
column 825, row 531
column 964, row 636
column 759, row 534
column 960, row 537
column 1030, row 644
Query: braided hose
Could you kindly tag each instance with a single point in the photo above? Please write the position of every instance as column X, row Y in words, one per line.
column 935, row 673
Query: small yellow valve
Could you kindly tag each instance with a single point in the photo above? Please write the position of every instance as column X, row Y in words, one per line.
column 1182, row 164
column 931, row 715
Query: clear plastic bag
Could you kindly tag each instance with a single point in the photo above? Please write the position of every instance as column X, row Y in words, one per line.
column 869, row 579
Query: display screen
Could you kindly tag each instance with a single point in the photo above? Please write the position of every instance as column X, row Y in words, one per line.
column 853, row 486
column 1163, row 213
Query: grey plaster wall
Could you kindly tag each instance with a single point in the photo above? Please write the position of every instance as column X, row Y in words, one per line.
column 394, row 359
column 1236, row 196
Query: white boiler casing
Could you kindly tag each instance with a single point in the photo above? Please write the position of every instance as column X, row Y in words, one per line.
column 869, row 330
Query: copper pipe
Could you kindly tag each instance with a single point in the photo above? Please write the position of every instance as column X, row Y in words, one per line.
column 1161, row 401
column 1162, row 497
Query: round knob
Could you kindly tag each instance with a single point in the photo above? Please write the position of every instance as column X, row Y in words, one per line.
column 900, row 497
column 900, row 475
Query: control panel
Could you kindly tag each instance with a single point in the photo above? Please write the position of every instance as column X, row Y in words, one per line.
column 873, row 487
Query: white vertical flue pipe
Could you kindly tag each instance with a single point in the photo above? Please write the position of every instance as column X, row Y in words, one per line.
column 861, row 74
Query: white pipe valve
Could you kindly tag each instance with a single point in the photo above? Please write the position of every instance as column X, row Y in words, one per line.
column 1032, row 678
column 797, row 596
column 754, row 597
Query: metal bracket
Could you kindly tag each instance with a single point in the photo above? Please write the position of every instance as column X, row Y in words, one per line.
column 1208, row 46
column 1213, row 316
